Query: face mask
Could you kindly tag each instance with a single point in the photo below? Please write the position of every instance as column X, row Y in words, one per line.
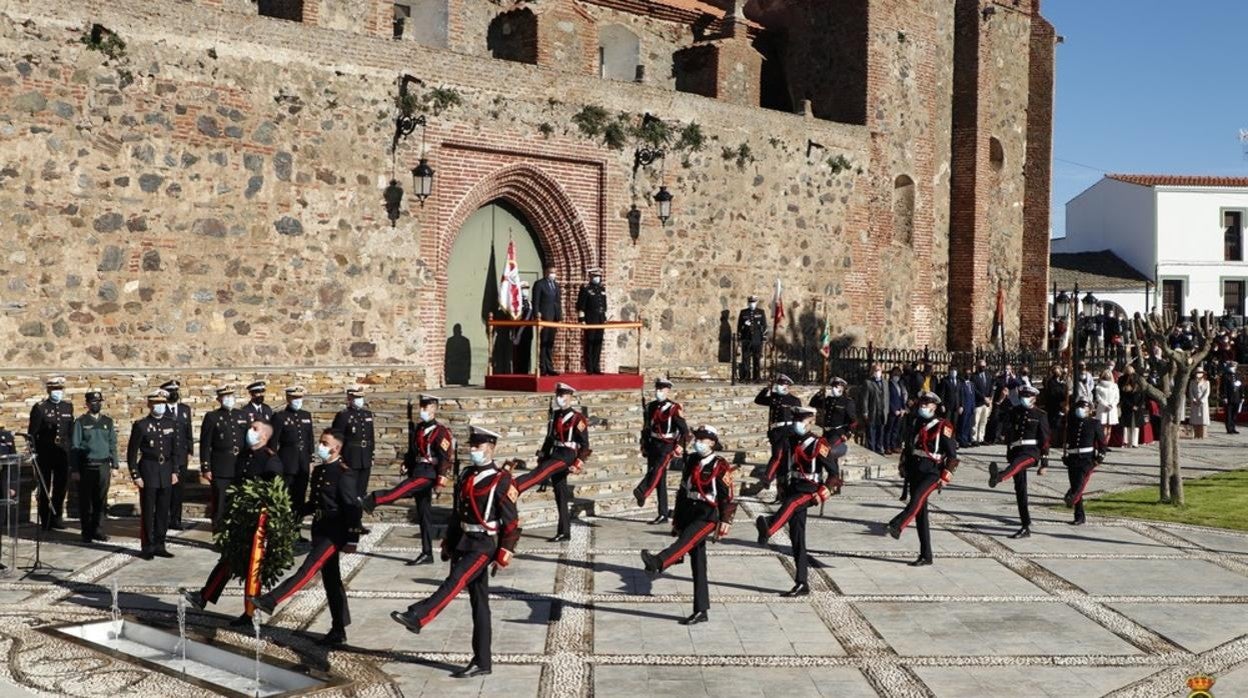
column 781, row 390
column 953, row 375
column 257, row 400
column 801, row 428
column 595, row 280
column 702, row 448
column 95, row 407
column 525, row 295
column 357, row 402
column 836, row 391
column 322, row 452
column 753, row 306
column 425, row 416
column 1087, row 376
column 551, row 276
column 1028, row 401
column 158, row 410
column 927, row 412
column 253, row 437
column 561, row 401
column 478, row 457
column 56, row 395
column 228, row 402
column 296, row 404
column 173, row 396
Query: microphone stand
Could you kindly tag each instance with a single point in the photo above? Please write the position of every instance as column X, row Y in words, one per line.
column 38, row 568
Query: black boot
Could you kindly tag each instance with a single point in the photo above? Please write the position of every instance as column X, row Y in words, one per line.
column 1024, row 532
column 994, row 474
column 652, row 564
column 799, row 589
column 699, row 617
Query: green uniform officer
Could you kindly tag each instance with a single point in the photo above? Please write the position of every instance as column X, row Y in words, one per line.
column 94, row 450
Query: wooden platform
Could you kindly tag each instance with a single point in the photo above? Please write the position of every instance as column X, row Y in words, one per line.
column 583, row 382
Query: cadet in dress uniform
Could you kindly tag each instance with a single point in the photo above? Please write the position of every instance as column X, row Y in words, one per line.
column 51, row 428
column 294, row 440
column 929, row 457
column 663, row 437
column 155, row 446
column 840, row 416
column 355, row 423
column 1026, row 431
column 704, row 505
column 591, row 309
column 95, row 459
column 484, row 528
column 256, row 410
column 181, row 414
column 222, row 438
column 807, row 456
column 335, row 510
column 563, row 452
column 8, row 447
column 779, row 404
column 1084, row 448
column 427, row 465
column 751, row 330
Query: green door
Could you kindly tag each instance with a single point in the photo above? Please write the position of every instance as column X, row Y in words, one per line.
column 476, row 266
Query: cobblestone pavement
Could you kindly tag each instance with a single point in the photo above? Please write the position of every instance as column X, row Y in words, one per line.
column 1111, row 608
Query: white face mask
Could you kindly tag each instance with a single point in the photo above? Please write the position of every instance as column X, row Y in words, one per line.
column 927, row 412
column 253, row 437
column 228, row 402
column 1081, row 413
column 753, row 305
column 660, row 395
column 426, row 416
column 1028, row 401
column 561, row 401
column 159, row 409
column 837, row 391
column 56, row 395
column 800, row 428
column 357, row 402
column 551, row 276
column 781, row 390
column 478, row 457
column 953, row 375
column 296, row 404
column 595, row 280
column 322, row 452
column 702, row 448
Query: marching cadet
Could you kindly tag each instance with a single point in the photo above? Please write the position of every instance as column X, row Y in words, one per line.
column 929, row 457
column 255, row 409
column 704, row 505
column 840, row 416
column 181, row 414
column 51, row 428
column 222, row 438
column 663, row 437
column 294, row 440
column 335, row 510
column 1085, row 449
column 564, row 451
column 807, row 456
column 779, row 404
column 95, row 459
column 591, row 309
column 1026, row 429
column 751, row 330
column 427, row 465
column 154, row 448
column 356, row 426
column 484, row 528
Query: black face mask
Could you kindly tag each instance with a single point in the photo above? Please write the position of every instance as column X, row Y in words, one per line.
column 95, row 407
column 173, row 396
column 257, row 399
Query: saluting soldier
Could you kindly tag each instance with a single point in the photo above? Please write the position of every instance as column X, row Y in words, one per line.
column 294, row 440
column 1085, row 449
column 563, row 452
column 154, row 448
column 355, row 423
column 591, row 309
column 181, row 414
column 807, row 457
column 222, row 438
column 427, row 465
column 51, row 428
column 255, row 409
column 95, row 459
column 780, row 405
column 929, row 457
column 663, row 438
column 704, row 506
column 751, row 330
column 1026, row 429
column 840, row 416
column 484, row 528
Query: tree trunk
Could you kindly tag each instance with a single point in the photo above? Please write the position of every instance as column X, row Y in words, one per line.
column 1171, row 479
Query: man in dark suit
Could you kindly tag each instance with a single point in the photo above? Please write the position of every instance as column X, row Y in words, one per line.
column 950, row 394
column 549, row 306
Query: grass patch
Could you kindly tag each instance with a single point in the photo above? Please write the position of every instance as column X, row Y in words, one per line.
column 1219, row 500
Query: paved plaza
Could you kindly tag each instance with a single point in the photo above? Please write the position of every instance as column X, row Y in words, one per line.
column 1111, row 608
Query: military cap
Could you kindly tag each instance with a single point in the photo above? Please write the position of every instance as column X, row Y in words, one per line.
column 1028, row 391
column 257, row 387
column 171, row 385
column 426, row 399
column 1083, row 402
column 564, row 389
column 157, row 396
column 837, row 380
column 594, row 271
column 661, row 383
column 800, row 413
column 478, row 435
column 782, row 379
column 94, row 396
column 55, row 383
column 224, row 390
column 355, row 391
column 928, row 396
column 707, row 431
column 296, row 391
column 753, row 299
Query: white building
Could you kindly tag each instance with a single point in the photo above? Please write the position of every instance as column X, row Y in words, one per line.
column 1184, row 234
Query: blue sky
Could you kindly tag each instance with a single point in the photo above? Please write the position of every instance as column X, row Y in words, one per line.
column 1147, row 86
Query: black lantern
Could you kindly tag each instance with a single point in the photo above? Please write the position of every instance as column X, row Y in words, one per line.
column 1062, row 305
column 393, row 196
column 663, row 198
column 422, row 180
column 1089, row 305
column 634, row 222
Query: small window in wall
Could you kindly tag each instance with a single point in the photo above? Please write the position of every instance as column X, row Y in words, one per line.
column 1172, row 296
column 281, row 9
column 996, row 154
column 513, row 37
column 1233, row 298
column 1233, row 239
column 619, row 52
column 422, row 21
column 903, row 209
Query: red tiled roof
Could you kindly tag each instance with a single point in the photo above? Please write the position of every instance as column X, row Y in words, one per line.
column 1146, row 180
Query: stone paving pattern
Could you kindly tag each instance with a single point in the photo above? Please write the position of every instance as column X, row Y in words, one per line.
column 1116, row 607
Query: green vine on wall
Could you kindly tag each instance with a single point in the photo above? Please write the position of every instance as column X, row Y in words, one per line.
column 742, row 154
column 433, row 101
column 109, row 43
column 839, row 164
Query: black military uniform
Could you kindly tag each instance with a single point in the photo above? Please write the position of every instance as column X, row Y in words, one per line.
column 222, row 438
column 779, row 404
column 751, row 330
column 1027, row 434
column 591, row 309
column 335, row 511
column 7, row 465
column 807, row 456
column 1084, row 449
column 95, row 459
column 182, row 415
column 427, row 465
column 929, row 457
column 256, row 410
column 355, row 423
column 51, row 427
column 704, row 503
column 1232, row 397
column 293, row 441
column 663, row 437
column 154, row 448
column 840, row 417
column 484, row 528
column 564, row 451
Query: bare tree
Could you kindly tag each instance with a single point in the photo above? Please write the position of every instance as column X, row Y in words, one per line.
column 1174, row 368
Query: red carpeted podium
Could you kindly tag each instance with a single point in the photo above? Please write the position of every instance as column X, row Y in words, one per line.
column 537, row 383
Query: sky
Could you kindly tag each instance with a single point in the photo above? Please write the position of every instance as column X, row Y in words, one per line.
column 1147, row 86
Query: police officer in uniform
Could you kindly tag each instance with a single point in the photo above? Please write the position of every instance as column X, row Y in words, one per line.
column 929, row 457
column 355, row 423
column 840, row 416
column 780, row 405
column 95, row 459
column 256, row 410
column 663, row 438
column 51, row 427
column 564, row 451
column 335, row 510
column 428, row 466
column 484, row 528
column 1026, row 429
column 155, row 446
column 222, row 438
column 181, row 414
column 591, row 309
column 751, row 330
column 807, row 456
column 1084, row 449
column 704, row 506
column 8, row 447
column 293, row 440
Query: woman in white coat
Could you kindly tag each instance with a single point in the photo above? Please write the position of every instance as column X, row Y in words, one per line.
column 1107, row 397
column 1198, row 403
